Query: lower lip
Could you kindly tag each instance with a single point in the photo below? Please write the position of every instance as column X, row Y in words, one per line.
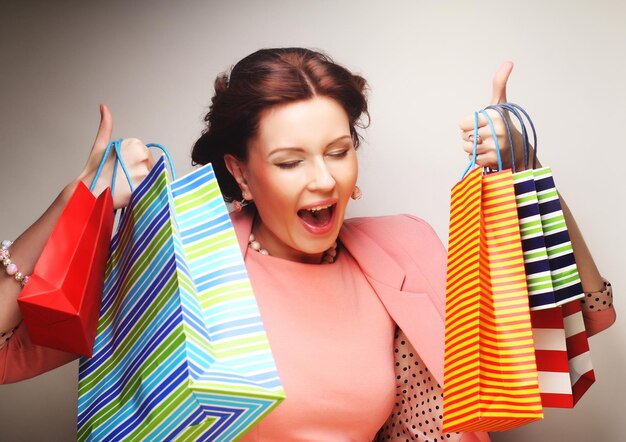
column 317, row 230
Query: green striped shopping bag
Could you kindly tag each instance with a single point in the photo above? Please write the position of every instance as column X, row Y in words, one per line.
column 181, row 352
column 551, row 269
column 563, row 269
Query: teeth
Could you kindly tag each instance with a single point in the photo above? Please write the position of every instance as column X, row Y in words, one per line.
column 316, row 209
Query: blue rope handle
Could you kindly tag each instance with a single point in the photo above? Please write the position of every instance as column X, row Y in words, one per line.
column 508, row 132
column 117, row 146
column 525, row 141
column 101, row 165
column 472, row 163
column 495, row 137
column 118, row 153
column 532, row 126
column 167, row 156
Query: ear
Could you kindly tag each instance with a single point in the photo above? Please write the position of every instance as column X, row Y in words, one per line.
column 237, row 169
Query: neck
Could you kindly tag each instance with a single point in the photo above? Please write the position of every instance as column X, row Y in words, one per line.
column 259, row 243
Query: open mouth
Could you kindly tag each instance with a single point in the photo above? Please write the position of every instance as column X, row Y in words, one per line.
column 317, row 217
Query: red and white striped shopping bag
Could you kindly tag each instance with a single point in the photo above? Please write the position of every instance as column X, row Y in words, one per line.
column 562, row 353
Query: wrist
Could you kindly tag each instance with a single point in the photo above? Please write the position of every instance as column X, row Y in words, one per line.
column 69, row 189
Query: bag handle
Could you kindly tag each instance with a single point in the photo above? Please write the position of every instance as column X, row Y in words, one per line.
column 495, row 137
column 168, row 157
column 117, row 146
column 532, row 127
column 515, row 110
column 508, row 132
column 472, row 163
column 507, row 125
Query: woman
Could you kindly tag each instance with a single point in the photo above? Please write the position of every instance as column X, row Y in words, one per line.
column 282, row 137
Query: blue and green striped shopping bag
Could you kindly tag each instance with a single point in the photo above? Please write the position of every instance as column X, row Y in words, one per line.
column 181, row 353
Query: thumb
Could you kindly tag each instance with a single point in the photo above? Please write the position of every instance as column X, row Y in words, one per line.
column 105, row 130
column 498, row 94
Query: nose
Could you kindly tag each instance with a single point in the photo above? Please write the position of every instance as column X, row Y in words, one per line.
column 321, row 178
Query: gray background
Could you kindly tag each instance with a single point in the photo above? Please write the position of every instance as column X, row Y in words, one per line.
column 428, row 63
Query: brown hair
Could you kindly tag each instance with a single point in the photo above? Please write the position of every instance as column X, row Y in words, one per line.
column 263, row 79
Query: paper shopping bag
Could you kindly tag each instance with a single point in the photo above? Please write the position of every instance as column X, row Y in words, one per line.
column 551, row 271
column 536, row 262
column 61, row 301
column 563, row 270
column 179, row 324
column 490, row 373
column 563, row 357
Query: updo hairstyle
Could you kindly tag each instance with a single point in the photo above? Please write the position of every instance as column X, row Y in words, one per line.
column 267, row 78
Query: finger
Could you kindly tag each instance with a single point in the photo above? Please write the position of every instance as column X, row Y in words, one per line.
column 135, row 152
column 467, row 123
column 468, row 147
column 150, row 160
column 498, row 93
column 484, row 133
column 105, row 130
column 487, row 159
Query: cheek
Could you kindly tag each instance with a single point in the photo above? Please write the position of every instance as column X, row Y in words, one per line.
column 271, row 188
column 348, row 175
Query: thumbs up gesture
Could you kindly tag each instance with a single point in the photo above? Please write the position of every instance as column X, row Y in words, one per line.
column 135, row 154
column 486, row 147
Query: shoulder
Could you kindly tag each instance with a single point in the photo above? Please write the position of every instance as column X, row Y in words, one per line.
column 400, row 227
column 405, row 237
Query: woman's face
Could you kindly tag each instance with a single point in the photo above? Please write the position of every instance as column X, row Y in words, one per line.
column 300, row 172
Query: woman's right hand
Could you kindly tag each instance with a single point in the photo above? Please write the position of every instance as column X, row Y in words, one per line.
column 135, row 154
column 486, row 148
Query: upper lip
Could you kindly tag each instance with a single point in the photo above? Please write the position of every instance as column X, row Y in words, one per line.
column 320, row 204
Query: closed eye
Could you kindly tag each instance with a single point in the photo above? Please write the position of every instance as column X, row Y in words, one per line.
column 339, row 153
column 288, row 164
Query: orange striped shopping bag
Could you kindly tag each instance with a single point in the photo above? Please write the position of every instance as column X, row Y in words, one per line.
column 490, row 372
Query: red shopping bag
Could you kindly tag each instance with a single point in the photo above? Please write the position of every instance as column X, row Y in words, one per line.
column 562, row 352
column 60, row 303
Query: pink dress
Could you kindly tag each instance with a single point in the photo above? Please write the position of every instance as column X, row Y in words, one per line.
column 332, row 341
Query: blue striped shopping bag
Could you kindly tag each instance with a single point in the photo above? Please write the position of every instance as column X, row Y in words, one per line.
column 181, row 353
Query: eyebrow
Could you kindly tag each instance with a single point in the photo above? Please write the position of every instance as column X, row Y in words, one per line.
column 301, row 149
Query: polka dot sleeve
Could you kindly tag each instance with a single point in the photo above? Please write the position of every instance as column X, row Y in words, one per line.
column 600, row 300
column 418, row 411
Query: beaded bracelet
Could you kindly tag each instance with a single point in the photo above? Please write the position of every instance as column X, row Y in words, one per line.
column 9, row 266
column 600, row 300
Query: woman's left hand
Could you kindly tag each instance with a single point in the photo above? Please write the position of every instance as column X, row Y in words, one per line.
column 486, row 147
